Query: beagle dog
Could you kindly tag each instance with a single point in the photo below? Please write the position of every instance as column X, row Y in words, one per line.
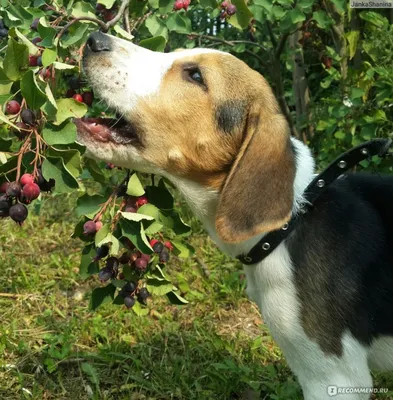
column 206, row 121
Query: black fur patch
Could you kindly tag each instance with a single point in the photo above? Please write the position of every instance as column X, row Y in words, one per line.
column 230, row 115
column 342, row 251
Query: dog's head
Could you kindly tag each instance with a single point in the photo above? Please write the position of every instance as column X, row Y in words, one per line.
column 202, row 115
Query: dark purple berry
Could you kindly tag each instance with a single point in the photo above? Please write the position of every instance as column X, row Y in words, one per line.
column 14, row 189
column 122, row 191
column 34, row 25
column 146, row 257
column 112, row 263
column 18, row 212
column 23, row 131
column 27, row 116
column 129, row 301
column 129, row 287
column 143, row 294
column 105, row 274
column 158, row 247
column 74, row 82
column 164, row 256
column 101, row 252
column 89, row 228
column 140, row 264
column 45, row 186
column 5, row 205
column 231, row 9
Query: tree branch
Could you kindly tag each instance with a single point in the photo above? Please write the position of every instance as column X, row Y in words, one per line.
column 119, row 14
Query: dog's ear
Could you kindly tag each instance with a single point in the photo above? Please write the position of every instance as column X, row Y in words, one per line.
column 258, row 193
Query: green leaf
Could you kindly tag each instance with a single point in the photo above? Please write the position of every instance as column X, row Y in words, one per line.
column 91, row 372
column 166, row 6
column 182, row 250
column 47, row 33
column 61, row 66
column 243, row 15
column 88, row 266
column 136, row 233
column 353, row 39
column 374, row 18
column 69, row 108
column 123, row 33
column 50, row 106
column 14, row 32
column 134, row 187
column 71, row 160
column 32, row 93
column 160, row 197
column 322, row 19
column 107, row 3
column 341, row 5
column 157, row 43
column 156, row 26
column 89, row 205
column 296, row 16
column 102, row 234
column 175, row 298
column 102, row 295
column 157, row 287
column 113, row 243
column 208, row 4
column 79, row 34
column 94, row 170
column 83, row 9
column 135, row 216
column 178, row 23
column 16, row 58
column 266, row 4
column 140, row 310
column 61, row 134
column 53, row 167
column 6, row 120
column 304, row 4
column 48, row 57
column 339, row 135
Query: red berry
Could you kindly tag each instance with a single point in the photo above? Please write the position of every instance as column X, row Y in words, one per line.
column 3, row 187
column 12, row 107
column 224, row 4
column 33, row 61
column 179, row 4
column 26, row 179
column 141, row 201
column 30, row 192
column 98, row 225
column 78, row 98
column 88, row 98
column 231, row 9
column 100, row 7
column 140, row 264
column 70, row 93
column 108, row 15
column 153, row 242
column 131, row 209
column 168, row 245
column 186, row 3
column 223, row 14
column 146, row 257
column 45, row 73
column 89, row 228
column 109, row 166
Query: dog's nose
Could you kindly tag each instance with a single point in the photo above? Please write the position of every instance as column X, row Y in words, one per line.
column 98, row 41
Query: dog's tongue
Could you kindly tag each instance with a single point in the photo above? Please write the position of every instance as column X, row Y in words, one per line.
column 98, row 127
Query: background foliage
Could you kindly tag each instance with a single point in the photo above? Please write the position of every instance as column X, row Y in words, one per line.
column 331, row 69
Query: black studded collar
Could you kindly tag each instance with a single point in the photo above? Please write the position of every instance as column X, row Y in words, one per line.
column 318, row 185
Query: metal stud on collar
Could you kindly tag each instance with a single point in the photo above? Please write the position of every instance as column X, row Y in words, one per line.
column 266, row 246
column 285, row 227
column 321, row 183
column 364, row 151
column 342, row 164
column 247, row 259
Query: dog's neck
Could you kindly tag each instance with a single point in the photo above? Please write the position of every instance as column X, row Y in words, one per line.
column 203, row 202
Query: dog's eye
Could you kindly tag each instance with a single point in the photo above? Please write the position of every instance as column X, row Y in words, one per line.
column 196, row 75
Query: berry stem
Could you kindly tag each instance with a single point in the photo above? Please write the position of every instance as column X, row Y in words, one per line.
column 21, row 152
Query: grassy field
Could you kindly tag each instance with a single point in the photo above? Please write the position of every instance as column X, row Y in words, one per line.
column 53, row 347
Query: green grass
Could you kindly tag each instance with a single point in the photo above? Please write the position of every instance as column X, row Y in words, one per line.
column 53, row 347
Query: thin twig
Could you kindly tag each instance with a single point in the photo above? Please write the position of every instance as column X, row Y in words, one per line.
column 120, row 13
column 102, row 24
column 127, row 20
column 22, row 151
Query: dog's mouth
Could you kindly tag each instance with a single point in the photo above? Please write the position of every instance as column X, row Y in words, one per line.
column 115, row 130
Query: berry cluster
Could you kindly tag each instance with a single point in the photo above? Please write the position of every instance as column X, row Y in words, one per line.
column 161, row 249
column 181, row 4
column 107, row 15
column 74, row 91
column 14, row 195
column 227, row 10
column 25, row 120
